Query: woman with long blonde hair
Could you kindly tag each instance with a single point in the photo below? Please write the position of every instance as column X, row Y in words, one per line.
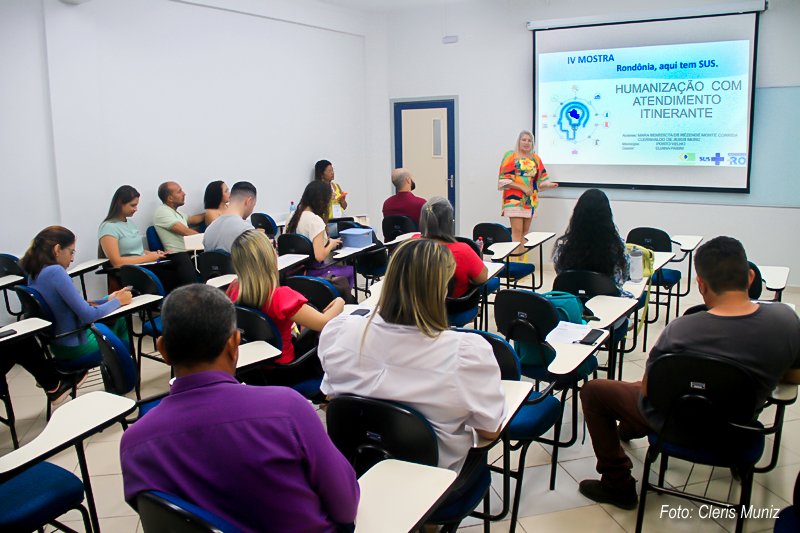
column 522, row 175
column 256, row 265
column 405, row 352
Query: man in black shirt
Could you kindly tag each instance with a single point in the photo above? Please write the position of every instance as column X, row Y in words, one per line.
column 765, row 339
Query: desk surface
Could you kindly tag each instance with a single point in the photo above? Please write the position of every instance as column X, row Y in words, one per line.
column 401, row 238
column 222, row 281
column 535, row 238
column 75, row 419
column 785, row 392
column 609, row 309
column 24, row 327
column 688, row 243
column 660, row 259
column 516, row 392
column 137, row 303
column 344, row 253
column 570, row 356
column 375, row 295
column 636, row 288
column 255, row 352
column 86, row 266
column 395, row 495
column 775, row 277
column 193, row 243
column 7, row 281
column 493, row 269
column 501, row 250
column 289, row 260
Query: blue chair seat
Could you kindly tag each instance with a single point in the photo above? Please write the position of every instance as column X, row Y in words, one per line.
column 146, row 407
column 308, row 388
column 216, row 521
column 517, row 270
column 462, row 318
column 667, row 277
column 38, row 495
column 733, row 453
column 788, row 521
column 147, row 327
column 492, row 285
column 534, row 420
column 620, row 332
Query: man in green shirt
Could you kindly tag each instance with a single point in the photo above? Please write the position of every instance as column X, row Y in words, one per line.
column 171, row 225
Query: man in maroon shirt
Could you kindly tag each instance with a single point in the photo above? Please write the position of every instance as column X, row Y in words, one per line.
column 404, row 202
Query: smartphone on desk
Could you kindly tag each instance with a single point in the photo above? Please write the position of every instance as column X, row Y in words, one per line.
column 7, row 333
column 591, row 337
column 360, row 312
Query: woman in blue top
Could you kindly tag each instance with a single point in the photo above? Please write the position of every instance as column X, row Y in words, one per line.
column 122, row 244
column 46, row 263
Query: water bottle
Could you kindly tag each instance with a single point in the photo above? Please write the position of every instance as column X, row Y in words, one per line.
column 292, row 209
column 480, row 246
column 637, row 265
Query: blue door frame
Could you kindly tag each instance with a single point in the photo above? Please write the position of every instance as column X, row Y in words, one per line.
column 450, row 105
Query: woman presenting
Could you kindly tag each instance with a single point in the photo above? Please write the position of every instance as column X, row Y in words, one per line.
column 522, row 176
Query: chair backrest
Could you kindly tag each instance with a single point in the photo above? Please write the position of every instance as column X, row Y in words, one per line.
column 524, row 315
column 9, row 266
column 754, row 292
column 699, row 396
column 141, row 280
column 117, row 367
column 585, row 284
column 294, row 243
column 214, row 263
column 656, row 239
column 491, row 232
column 368, row 431
column 265, row 222
column 33, row 303
column 526, row 318
column 153, row 240
column 469, row 300
column 256, row 326
column 165, row 513
column 472, row 244
column 504, row 353
column 320, row 292
column 395, row 225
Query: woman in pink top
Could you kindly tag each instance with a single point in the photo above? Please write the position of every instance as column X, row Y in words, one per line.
column 256, row 265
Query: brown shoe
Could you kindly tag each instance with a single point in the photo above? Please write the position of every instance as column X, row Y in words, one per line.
column 594, row 489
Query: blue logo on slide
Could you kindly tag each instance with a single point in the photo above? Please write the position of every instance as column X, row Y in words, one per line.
column 573, row 115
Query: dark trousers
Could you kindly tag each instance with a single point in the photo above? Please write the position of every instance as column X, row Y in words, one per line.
column 604, row 403
column 28, row 354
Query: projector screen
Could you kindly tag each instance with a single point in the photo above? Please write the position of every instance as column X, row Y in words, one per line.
column 650, row 105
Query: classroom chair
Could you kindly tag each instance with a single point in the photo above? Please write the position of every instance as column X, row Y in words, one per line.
column 710, row 417
column 491, row 233
column 153, row 240
column 264, row 222
column 395, row 225
column 368, row 430
column 166, row 513
column 214, row 263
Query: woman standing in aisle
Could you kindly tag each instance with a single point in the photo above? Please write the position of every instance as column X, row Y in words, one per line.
column 522, row 176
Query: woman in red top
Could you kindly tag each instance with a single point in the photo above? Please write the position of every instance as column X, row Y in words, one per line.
column 256, row 265
column 437, row 222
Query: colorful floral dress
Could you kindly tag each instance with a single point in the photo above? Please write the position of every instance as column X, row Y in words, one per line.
column 523, row 171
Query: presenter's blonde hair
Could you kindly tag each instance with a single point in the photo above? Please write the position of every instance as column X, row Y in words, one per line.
column 256, row 264
column 415, row 286
column 519, row 138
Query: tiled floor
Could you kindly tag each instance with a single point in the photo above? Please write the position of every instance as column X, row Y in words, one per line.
column 541, row 510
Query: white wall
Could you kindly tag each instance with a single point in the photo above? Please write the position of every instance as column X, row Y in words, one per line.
column 490, row 70
column 148, row 90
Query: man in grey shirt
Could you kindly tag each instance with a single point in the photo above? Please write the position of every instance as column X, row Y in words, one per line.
column 221, row 233
column 764, row 339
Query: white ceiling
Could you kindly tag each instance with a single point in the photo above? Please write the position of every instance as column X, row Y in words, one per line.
column 386, row 5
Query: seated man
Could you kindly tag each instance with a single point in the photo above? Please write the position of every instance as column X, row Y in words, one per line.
column 171, row 225
column 257, row 457
column 404, row 202
column 221, row 233
column 763, row 338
